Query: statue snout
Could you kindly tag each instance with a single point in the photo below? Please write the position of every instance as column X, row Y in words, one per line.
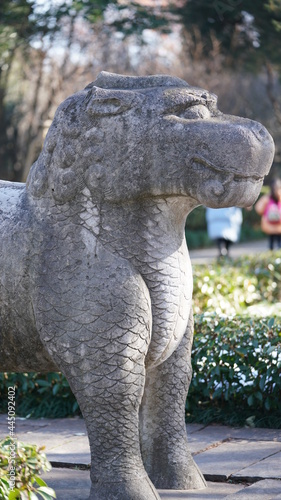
column 251, row 146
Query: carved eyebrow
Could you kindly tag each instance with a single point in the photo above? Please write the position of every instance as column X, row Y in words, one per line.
column 182, row 106
column 182, row 101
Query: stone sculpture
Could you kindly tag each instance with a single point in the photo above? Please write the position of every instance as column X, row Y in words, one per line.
column 96, row 280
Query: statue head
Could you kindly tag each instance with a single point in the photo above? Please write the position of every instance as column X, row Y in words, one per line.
column 126, row 138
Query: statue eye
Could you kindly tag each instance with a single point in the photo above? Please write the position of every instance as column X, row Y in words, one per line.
column 199, row 111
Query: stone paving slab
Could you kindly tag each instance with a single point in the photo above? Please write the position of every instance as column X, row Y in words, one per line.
column 218, row 433
column 220, row 451
column 55, row 432
column 267, row 489
column 60, row 425
column 214, row 491
column 267, row 468
column 69, row 449
column 256, row 434
column 207, row 436
column 207, row 255
column 62, row 434
column 23, row 423
column 65, row 440
column 192, row 428
column 75, row 485
column 232, row 457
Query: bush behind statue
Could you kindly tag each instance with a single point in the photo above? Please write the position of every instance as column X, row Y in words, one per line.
column 39, row 395
column 236, row 371
column 235, row 286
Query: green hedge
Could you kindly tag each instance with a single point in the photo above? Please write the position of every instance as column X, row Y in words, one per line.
column 39, row 395
column 236, row 371
column 237, row 286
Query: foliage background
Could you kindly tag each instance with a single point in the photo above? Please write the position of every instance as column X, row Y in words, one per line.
column 48, row 50
column 196, row 228
column 236, row 371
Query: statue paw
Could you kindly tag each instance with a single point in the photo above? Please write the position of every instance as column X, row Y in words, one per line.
column 137, row 488
column 180, row 473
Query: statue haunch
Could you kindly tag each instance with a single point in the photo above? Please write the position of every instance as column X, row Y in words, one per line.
column 95, row 276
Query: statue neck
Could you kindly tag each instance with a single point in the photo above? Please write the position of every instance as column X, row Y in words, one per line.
column 145, row 226
column 126, row 228
column 150, row 235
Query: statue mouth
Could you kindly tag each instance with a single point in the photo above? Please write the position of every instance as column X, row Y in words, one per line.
column 230, row 174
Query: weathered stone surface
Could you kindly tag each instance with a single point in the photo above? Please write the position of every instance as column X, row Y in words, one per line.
column 59, row 426
column 210, row 436
column 95, row 275
column 269, row 467
column 69, row 484
column 202, row 438
column 214, row 491
column 257, row 434
column 238, row 462
column 267, row 489
column 66, row 450
column 75, row 485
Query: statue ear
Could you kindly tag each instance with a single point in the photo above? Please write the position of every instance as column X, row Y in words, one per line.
column 103, row 102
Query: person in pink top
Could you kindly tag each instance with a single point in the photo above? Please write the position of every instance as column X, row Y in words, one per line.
column 269, row 207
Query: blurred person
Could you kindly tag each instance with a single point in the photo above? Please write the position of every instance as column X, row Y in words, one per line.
column 224, row 226
column 269, row 208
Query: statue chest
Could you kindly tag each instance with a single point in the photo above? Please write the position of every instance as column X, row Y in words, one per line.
column 169, row 281
column 151, row 237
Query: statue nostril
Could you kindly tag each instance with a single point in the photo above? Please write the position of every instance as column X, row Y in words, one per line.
column 216, row 187
column 262, row 132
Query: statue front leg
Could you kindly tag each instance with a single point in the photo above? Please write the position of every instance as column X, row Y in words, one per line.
column 106, row 373
column 109, row 399
column 98, row 331
column 164, row 444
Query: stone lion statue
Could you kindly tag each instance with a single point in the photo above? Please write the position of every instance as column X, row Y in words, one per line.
column 96, row 280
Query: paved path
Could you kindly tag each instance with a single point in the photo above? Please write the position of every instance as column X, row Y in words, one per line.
column 238, row 464
column 206, row 255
